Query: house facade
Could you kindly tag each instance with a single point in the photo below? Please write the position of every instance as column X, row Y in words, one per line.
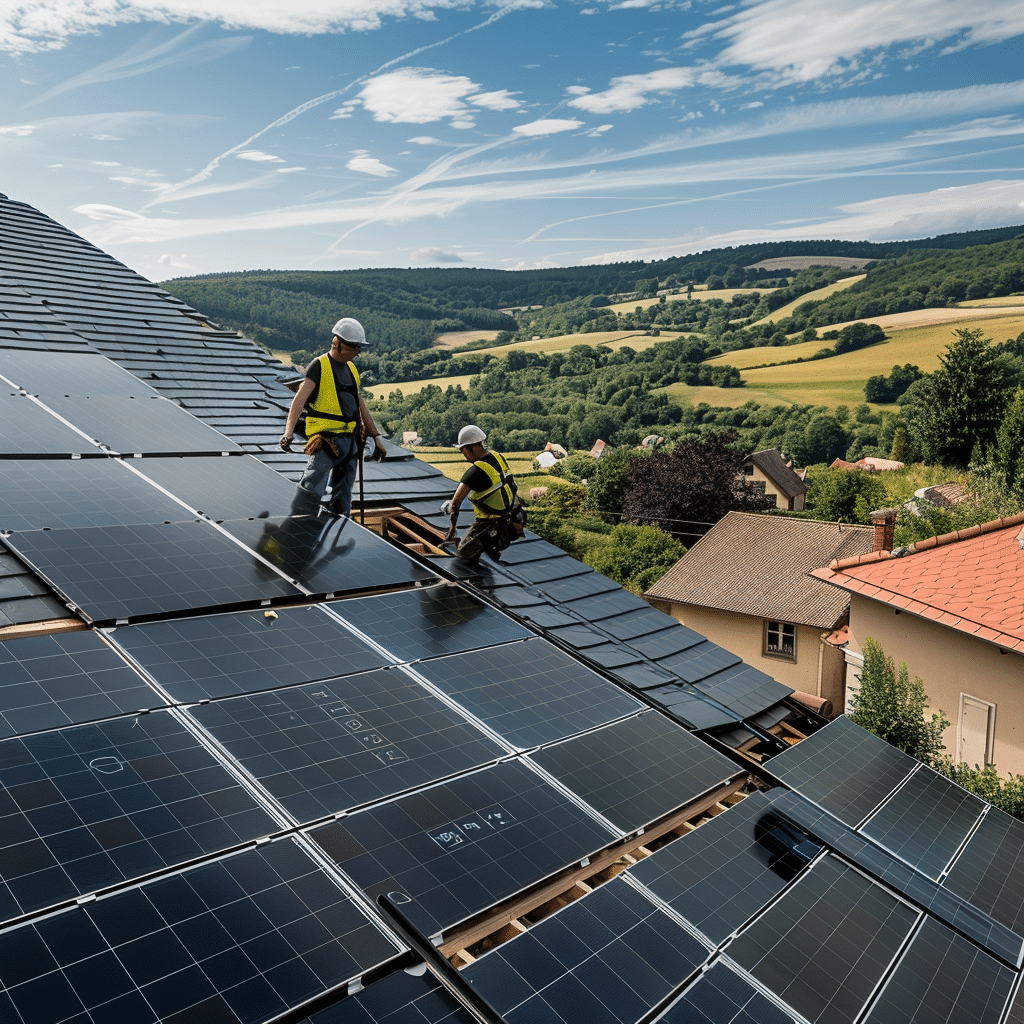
column 771, row 474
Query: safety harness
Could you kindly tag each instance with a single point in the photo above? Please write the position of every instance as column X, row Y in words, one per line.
column 325, row 414
column 500, row 496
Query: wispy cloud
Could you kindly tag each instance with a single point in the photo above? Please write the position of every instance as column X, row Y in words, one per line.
column 628, row 92
column 17, row 129
column 435, row 255
column 549, row 126
column 258, row 156
column 366, row 164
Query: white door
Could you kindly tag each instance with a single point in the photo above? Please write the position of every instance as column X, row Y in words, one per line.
column 975, row 734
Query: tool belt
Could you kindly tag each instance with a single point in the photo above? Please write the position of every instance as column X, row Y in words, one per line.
column 318, row 441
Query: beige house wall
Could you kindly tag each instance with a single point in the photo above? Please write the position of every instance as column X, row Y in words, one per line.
column 743, row 635
column 781, row 501
column 949, row 663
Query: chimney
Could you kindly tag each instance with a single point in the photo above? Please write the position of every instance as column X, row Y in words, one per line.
column 884, row 522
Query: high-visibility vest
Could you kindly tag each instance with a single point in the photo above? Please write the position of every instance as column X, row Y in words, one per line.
column 500, row 496
column 325, row 413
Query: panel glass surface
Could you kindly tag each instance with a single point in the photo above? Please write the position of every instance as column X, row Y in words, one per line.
column 637, row 770
column 237, row 941
column 607, row 958
column 332, row 746
column 430, row 621
column 925, row 821
column 54, row 374
column 140, row 426
column 27, row 431
column 328, row 554
column 990, row 871
column 238, row 487
column 76, row 493
column 826, row 944
column 725, row 871
column 397, row 999
column 51, row 681
column 721, row 996
column 943, row 979
column 844, row 768
column 125, row 572
column 94, row 805
column 530, row 692
column 456, row 849
column 243, row 652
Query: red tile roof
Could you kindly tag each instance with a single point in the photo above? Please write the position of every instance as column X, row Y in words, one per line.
column 971, row 580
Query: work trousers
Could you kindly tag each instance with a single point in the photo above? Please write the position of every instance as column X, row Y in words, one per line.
column 325, row 470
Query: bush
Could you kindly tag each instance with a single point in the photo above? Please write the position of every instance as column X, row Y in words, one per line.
column 1006, row 794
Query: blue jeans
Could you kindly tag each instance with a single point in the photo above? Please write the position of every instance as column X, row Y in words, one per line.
column 324, row 470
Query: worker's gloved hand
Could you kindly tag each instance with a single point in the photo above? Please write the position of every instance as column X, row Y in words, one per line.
column 285, row 443
column 379, row 453
column 451, row 534
column 446, row 507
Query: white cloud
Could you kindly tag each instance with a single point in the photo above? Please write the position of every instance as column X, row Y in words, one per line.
column 258, row 156
column 427, row 140
column 753, row 105
column 501, row 100
column 629, row 92
column 549, row 126
column 288, row 170
column 17, row 129
column 106, row 163
column 176, row 262
column 366, row 164
column 435, row 255
column 599, row 130
column 422, row 95
column 107, row 138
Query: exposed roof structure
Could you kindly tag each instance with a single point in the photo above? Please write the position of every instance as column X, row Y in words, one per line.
column 761, row 565
column 785, row 478
column 258, row 766
column 969, row 580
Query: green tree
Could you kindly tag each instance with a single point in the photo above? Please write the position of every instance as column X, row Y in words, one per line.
column 824, row 439
column 984, row 781
column 893, row 708
column 1008, row 455
column 606, row 486
column 844, row 495
column 637, row 556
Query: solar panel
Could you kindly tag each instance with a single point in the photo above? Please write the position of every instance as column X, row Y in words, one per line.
column 725, row 871
column 94, row 805
column 77, row 493
column 943, row 979
column 744, row 690
column 844, row 768
column 237, row 487
column 608, row 958
column 451, row 851
column 55, row 374
column 722, row 996
column 335, row 745
column 328, row 554
column 925, row 821
column 212, row 656
column 399, row 998
column 237, row 941
column 431, row 621
column 530, row 692
column 140, row 426
column 128, row 572
column 29, row 431
column 50, row 681
column 826, row 944
column 637, row 770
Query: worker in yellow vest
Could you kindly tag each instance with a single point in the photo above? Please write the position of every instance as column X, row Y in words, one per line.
column 334, row 414
column 491, row 489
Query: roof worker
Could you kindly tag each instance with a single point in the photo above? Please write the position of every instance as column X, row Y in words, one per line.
column 336, row 415
column 491, row 488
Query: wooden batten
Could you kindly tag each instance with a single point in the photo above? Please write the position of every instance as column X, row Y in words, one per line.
column 48, row 628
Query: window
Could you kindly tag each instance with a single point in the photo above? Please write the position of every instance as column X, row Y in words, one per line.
column 780, row 639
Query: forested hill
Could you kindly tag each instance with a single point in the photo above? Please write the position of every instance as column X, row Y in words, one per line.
column 404, row 310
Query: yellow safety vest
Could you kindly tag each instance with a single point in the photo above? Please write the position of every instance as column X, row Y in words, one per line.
column 500, row 496
column 325, row 414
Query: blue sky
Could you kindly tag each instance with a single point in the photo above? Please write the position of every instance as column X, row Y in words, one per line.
column 194, row 136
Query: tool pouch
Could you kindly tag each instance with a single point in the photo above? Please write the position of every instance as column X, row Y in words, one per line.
column 318, row 441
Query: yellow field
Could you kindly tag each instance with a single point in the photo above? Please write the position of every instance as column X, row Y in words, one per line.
column 1007, row 300
column 702, row 295
column 820, row 293
column 564, row 342
column 829, row 394
column 453, row 339
column 411, row 387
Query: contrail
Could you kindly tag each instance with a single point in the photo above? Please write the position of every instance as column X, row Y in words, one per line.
column 309, row 104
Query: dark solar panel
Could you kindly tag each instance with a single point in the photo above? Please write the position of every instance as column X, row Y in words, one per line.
column 27, row 430
column 238, row 487
column 530, row 692
column 608, row 958
column 332, row 746
column 94, row 805
column 943, row 979
column 637, row 770
column 725, row 871
column 145, row 426
column 223, row 655
column 844, row 768
column 431, row 621
column 236, row 941
column 990, row 870
column 721, row 996
column 826, row 944
column 925, row 821
column 328, row 554
column 52, row 374
column 126, row 572
column 50, row 681
column 453, row 850
column 76, row 493
column 397, row 999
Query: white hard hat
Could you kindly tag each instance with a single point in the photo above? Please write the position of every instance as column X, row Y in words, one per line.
column 350, row 330
column 471, row 435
